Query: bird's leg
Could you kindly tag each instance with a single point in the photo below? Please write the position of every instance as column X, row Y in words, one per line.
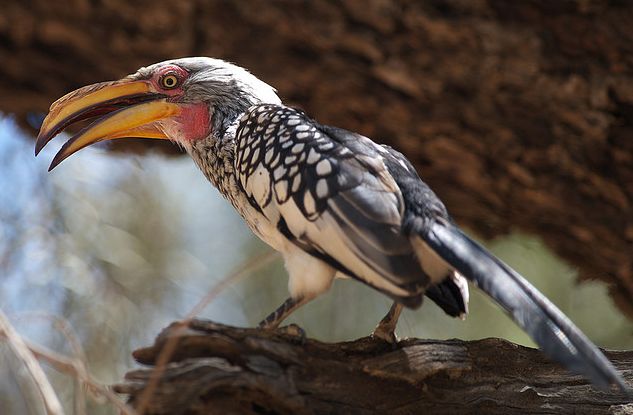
column 275, row 318
column 386, row 329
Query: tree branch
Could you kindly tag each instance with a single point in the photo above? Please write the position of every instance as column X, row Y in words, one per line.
column 222, row 369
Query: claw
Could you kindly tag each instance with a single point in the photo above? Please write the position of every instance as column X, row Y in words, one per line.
column 386, row 334
column 386, row 329
column 294, row 331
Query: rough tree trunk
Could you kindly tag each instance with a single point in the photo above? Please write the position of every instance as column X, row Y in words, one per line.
column 518, row 114
column 217, row 369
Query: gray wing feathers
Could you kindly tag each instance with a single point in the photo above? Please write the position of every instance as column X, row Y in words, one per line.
column 345, row 202
column 380, row 245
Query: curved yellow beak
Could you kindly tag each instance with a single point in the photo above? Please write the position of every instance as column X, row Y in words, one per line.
column 125, row 109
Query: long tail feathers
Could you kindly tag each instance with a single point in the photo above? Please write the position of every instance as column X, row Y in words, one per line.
column 556, row 335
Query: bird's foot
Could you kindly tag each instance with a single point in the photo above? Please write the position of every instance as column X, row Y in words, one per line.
column 272, row 321
column 386, row 334
column 386, row 329
column 294, row 331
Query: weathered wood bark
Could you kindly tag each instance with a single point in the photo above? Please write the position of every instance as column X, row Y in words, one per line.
column 221, row 369
column 519, row 114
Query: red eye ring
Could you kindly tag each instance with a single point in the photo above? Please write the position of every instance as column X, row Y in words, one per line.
column 170, row 80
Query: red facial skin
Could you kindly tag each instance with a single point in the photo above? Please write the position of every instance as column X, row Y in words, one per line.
column 194, row 120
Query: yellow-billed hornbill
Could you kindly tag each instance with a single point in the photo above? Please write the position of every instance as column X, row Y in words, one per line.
column 333, row 202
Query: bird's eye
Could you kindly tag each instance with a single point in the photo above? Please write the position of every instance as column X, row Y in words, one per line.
column 169, row 81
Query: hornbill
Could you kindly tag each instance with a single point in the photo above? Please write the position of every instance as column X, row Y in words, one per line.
column 331, row 201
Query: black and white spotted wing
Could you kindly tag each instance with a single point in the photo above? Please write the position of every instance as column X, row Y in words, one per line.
column 328, row 191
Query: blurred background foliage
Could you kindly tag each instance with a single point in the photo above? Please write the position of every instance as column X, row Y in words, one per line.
column 534, row 98
column 122, row 245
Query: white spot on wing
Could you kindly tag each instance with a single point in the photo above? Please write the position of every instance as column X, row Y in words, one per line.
column 297, row 148
column 258, row 185
column 278, row 173
column 323, row 167
column 296, row 181
column 275, row 161
column 281, row 190
column 328, row 145
column 268, row 156
column 308, row 203
column 321, row 189
column 313, row 156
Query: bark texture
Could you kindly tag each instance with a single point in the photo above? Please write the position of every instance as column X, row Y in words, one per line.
column 226, row 370
column 519, row 114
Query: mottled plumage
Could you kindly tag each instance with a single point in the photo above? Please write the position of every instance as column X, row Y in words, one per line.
column 333, row 202
column 329, row 192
